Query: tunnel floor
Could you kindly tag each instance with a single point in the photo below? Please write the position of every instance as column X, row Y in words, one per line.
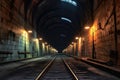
column 30, row 69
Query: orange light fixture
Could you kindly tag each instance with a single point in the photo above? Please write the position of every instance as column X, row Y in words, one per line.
column 76, row 38
column 72, row 42
column 45, row 43
column 40, row 39
column 35, row 39
column 29, row 31
column 87, row 27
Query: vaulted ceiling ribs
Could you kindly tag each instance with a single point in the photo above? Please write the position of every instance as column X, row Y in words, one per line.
column 46, row 16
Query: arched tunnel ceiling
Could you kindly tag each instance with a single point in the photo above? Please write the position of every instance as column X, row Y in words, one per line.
column 45, row 16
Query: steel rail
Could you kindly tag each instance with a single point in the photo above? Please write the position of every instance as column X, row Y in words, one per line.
column 73, row 74
column 44, row 70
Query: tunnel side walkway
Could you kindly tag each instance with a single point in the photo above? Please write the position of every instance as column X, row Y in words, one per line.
column 110, row 69
column 8, row 67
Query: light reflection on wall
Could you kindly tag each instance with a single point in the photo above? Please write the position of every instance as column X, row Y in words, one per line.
column 66, row 19
column 36, row 41
column 43, row 47
column 70, row 1
column 24, row 42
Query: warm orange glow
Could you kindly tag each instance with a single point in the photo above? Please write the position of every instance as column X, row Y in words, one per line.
column 83, row 39
column 30, row 31
column 93, row 29
column 87, row 27
column 23, row 32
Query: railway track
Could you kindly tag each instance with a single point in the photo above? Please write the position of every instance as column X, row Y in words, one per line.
column 57, row 69
column 26, row 72
column 84, row 71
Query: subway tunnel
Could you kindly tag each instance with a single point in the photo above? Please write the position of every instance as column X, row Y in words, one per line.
column 44, row 37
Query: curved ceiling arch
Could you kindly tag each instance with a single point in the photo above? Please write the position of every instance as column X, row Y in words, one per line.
column 42, row 10
column 54, row 26
column 56, row 21
column 45, row 16
column 53, row 13
column 65, row 28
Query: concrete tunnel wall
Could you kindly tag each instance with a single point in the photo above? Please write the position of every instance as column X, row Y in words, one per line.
column 102, row 40
column 15, row 40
